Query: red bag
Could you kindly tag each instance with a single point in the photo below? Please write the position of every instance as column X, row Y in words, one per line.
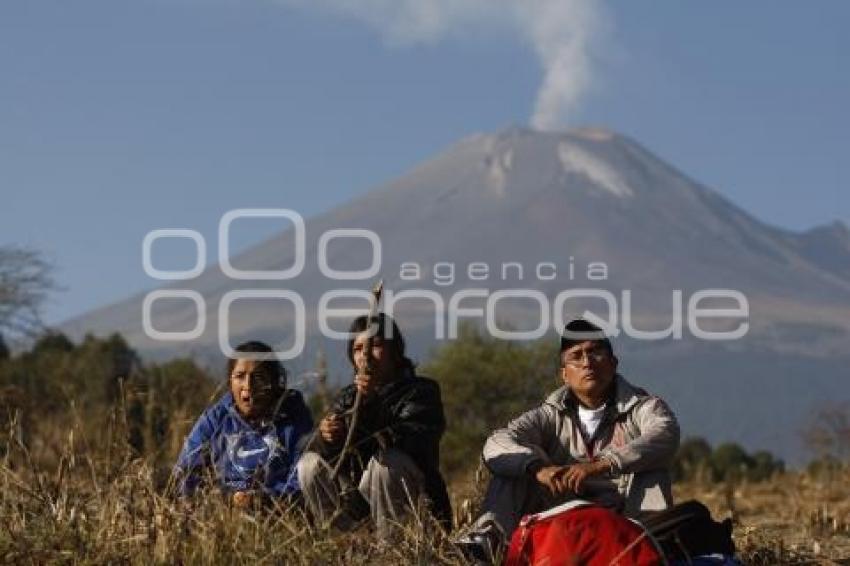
column 581, row 533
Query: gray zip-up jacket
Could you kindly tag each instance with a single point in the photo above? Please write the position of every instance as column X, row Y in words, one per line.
column 638, row 435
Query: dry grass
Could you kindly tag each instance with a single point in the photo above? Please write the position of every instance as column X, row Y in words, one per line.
column 104, row 506
column 79, row 505
column 794, row 518
column 129, row 521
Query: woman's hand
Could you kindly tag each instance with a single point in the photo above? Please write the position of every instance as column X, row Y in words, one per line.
column 243, row 499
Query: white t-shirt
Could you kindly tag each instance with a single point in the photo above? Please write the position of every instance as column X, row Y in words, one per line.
column 590, row 419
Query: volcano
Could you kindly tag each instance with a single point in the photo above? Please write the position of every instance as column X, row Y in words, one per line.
column 549, row 212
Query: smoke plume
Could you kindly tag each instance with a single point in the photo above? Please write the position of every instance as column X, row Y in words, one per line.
column 564, row 35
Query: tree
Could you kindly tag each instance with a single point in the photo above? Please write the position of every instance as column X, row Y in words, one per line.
column 693, row 460
column 828, row 433
column 52, row 342
column 696, row 460
column 731, row 462
column 25, row 281
column 102, row 386
column 765, row 466
column 485, row 382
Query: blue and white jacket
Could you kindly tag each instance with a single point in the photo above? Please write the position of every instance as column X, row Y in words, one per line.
column 245, row 458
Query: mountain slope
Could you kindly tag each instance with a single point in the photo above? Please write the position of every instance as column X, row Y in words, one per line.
column 567, row 200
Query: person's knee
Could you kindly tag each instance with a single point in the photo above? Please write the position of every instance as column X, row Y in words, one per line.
column 308, row 468
column 392, row 469
column 395, row 459
column 393, row 464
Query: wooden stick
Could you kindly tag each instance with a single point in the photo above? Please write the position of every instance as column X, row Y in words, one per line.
column 377, row 291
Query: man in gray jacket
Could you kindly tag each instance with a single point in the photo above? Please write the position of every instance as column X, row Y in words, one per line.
column 596, row 438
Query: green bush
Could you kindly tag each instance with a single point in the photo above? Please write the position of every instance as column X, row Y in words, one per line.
column 696, row 460
column 693, row 461
column 101, row 385
column 485, row 382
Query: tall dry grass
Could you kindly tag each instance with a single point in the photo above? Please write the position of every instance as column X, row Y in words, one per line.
column 793, row 518
column 105, row 504
column 94, row 500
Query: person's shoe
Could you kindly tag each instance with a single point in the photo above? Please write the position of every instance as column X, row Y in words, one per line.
column 355, row 504
column 478, row 548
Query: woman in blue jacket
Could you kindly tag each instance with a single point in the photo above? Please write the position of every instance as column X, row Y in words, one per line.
column 249, row 438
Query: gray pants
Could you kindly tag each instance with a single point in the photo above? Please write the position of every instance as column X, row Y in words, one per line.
column 391, row 485
column 507, row 500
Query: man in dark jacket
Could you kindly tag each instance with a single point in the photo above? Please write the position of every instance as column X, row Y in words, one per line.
column 394, row 453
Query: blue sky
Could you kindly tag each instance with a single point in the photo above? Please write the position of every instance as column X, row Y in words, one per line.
column 118, row 117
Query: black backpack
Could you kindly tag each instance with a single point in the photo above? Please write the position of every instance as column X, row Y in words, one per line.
column 687, row 530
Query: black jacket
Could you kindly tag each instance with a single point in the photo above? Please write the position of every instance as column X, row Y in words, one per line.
column 406, row 414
